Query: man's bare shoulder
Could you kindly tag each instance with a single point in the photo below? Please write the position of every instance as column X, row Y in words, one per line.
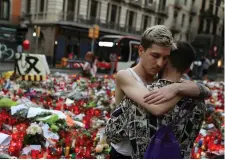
column 122, row 75
column 125, row 79
column 121, row 72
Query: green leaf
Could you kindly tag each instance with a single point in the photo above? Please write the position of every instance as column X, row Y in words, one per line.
column 92, row 104
column 26, row 139
column 107, row 150
column 54, row 128
column 6, row 102
column 87, row 133
column 52, row 119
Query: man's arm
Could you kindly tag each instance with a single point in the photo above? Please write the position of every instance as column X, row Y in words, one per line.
column 136, row 92
column 192, row 89
column 186, row 88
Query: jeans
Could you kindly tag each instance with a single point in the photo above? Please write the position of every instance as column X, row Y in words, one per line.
column 112, row 68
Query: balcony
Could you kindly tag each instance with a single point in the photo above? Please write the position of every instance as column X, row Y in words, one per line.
column 130, row 29
column 193, row 10
column 42, row 17
column 136, row 3
column 150, row 7
column 175, row 27
column 13, row 20
column 163, row 11
column 69, row 16
column 83, row 22
column 25, row 16
column 92, row 20
column 178, row 4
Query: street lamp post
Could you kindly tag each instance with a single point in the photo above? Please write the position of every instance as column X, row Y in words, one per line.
column 36, row 34
column 93, row 34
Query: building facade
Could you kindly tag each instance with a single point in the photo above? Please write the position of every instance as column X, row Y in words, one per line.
column 183, row 19
column 210, row 37
column 65, row 23
column 11, row 33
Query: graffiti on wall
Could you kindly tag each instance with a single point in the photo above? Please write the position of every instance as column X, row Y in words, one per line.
column 6, row 53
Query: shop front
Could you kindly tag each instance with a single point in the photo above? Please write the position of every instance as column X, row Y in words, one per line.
column 11, row 38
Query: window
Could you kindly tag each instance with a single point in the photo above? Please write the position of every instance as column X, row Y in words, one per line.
column 162, row 5
column 150, row 1
column 71, row 6
column 149, row 21
column 159, row 21
column 94, row 7
column 175, row 13
column 70, row 9
column 200, row 28
column 42, row 5
column 145, row 22
column 183, row 19
column 28, row 6
column 203, row 6
column 190, row 20
column 211, row 7
column 208, row 25
column 4, row 9
column 193, row 2
column 119, row 15
column 185, row 2
column 107, row 16
column 131, row 18
column 215, row 28
column 113, row 13
column 63, row 5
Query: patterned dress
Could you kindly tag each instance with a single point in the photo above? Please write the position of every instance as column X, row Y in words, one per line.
column 131, row 121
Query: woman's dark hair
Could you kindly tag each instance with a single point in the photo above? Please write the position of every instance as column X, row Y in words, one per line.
column 182, row 57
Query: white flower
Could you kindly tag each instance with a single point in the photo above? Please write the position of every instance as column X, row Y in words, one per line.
column 34, row 129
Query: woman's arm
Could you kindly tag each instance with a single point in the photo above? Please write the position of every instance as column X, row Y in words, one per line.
column 189, row 89
column 136, row 91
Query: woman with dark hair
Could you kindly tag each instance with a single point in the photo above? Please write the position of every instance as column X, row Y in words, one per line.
column 205, row 67
column 90, row 65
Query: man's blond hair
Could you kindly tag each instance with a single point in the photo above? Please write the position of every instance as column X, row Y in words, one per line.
column 158, row 34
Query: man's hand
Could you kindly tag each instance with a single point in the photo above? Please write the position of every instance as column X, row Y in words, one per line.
column 161, row 95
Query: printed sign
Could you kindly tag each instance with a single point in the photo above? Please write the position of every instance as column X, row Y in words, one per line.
column 31, row 64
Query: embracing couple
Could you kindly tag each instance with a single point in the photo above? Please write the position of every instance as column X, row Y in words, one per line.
column 153, row 94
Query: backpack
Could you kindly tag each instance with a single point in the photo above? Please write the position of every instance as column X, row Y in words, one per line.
column 164, row 144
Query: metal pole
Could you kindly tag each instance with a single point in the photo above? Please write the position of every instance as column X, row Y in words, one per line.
column 92, row 45
column 36, row 44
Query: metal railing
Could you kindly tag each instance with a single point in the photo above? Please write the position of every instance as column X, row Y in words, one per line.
column 136, row 2
column 40, row 16
column 178, row 4
column 12, row 20
column 193, row 10
column 151, row 7
column 163, row 11
column 81, row 20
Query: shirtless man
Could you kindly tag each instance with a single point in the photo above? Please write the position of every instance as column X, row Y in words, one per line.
column 156, row 43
